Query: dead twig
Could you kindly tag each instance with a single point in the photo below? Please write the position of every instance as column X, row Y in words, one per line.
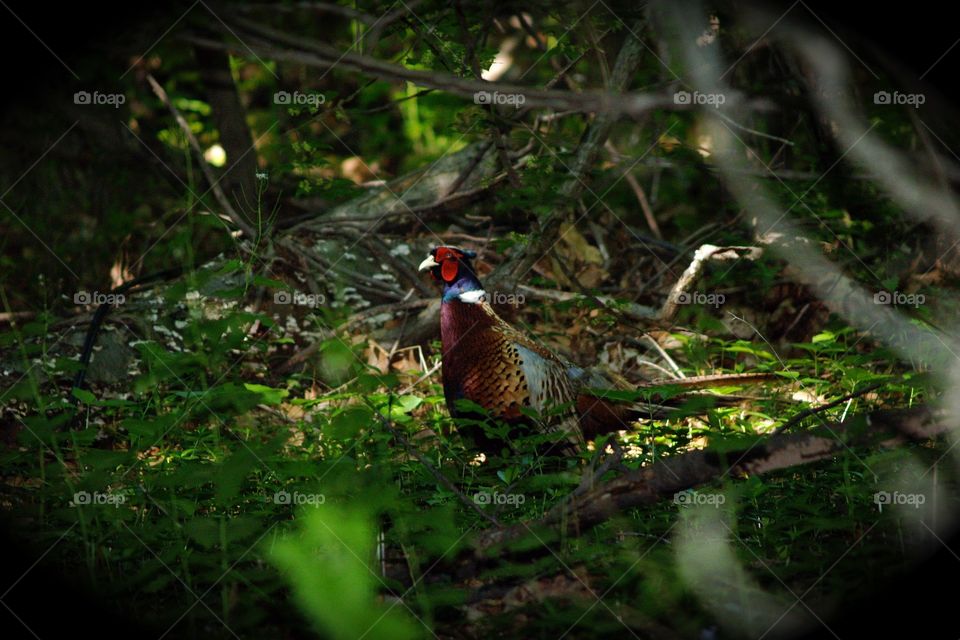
column 806, row 413
column 680, row 292
column 641, row 198
column 214, row 182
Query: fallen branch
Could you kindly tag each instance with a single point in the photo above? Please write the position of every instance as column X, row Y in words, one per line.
column 446, row 204
column 665, row 478
column 305, row 353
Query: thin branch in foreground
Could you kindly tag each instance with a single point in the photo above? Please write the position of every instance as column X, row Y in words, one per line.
column 806, row 413
column 218, row 193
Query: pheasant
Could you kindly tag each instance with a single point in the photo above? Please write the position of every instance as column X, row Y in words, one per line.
column 487, row 361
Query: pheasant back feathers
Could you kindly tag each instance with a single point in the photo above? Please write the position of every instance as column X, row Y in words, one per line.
column 488, row 362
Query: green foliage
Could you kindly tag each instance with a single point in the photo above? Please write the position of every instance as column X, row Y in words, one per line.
column 213, row 488
column 333, row 574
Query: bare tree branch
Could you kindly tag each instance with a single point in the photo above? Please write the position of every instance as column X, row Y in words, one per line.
column 218, row 193
column 277, row 45
column 628, row 60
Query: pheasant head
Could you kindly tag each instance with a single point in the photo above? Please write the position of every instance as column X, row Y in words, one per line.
column 451, row 267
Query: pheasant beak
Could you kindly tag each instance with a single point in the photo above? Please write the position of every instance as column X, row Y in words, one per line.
column 429, row 263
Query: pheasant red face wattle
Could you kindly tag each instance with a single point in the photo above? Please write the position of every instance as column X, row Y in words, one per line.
column 448, row 260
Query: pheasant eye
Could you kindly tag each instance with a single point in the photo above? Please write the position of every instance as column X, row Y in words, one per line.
column 445, row 253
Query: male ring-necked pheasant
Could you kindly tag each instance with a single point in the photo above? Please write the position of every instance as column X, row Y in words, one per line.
column 487, row 361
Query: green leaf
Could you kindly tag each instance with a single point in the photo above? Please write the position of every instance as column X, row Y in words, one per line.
column 84, row 396
column 826, row 336
column 329, row 569
column 268, row 395
column 149, row 429
column 348, row 423
column 404, row 405
column 337, row 361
